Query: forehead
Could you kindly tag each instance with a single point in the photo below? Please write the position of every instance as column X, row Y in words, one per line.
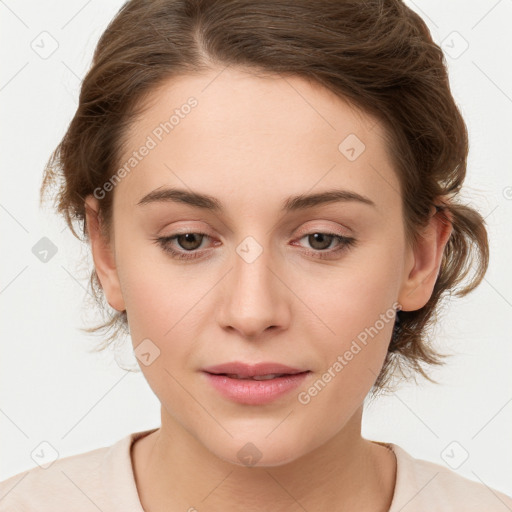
column 230, row 131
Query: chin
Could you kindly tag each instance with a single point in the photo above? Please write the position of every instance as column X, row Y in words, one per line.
column 259, row 450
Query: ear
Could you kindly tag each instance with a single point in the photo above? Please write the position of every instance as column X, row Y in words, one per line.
column 424, row 261
column 103, row 255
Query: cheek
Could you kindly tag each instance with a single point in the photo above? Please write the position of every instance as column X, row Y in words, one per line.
column 167, row 305
column 352, row 357
column 146, row 300
column 353, row 295
column 155, row 292
column 355, row 313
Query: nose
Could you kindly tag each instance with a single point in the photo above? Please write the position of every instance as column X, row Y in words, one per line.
column 254, row 297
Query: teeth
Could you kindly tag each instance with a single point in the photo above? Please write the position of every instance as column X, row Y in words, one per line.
column 256, row 377
column 267, row 377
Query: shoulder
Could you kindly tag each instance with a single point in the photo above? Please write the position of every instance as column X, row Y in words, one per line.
column 424, row 485
column 71, row 478
column 88, row 481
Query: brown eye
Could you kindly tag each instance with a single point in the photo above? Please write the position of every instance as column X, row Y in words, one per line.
column 189, row 241
column 320, row 241
column 183, row 246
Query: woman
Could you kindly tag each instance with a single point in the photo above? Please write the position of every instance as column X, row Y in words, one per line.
column 269, row 190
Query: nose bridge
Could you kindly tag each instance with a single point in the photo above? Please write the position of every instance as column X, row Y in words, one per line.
column 253, row 295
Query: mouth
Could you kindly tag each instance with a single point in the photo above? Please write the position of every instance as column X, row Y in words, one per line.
column 257, row 371
column 254, row 384
column 268, row 376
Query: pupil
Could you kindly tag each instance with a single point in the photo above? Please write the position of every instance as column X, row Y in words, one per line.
column 189, row 241
column 320, row 237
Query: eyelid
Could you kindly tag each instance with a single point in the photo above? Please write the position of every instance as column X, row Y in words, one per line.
column 306, row 230
column 303, row 231
column 344, row 244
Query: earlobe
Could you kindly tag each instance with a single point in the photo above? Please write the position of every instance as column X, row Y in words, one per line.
column 103, row 256
column 425, row 261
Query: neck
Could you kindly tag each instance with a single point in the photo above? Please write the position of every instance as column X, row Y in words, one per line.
column 174, row 471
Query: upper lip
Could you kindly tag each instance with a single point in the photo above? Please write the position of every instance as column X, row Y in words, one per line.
column 252, row 370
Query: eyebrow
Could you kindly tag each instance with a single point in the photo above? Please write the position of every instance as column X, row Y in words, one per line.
column 293, row 203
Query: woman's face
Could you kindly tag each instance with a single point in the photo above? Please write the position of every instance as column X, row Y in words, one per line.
column 258, row 285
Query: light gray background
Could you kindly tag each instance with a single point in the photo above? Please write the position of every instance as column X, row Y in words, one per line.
column 54, row 390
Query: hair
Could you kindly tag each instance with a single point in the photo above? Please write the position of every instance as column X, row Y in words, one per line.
column 378, row 55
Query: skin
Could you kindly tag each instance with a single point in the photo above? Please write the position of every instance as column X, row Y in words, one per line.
column 252, row 142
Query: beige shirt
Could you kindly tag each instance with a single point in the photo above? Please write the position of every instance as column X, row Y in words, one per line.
column 103, row 480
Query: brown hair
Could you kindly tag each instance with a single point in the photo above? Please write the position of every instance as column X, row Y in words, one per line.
column 377, row 54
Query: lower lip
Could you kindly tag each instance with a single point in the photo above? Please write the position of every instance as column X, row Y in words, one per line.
column 255, row 392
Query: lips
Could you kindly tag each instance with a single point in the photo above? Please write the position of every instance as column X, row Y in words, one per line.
column 255, row 377
column 258, row 371
column 254, row 384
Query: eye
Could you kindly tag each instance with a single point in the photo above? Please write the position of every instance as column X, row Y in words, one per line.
column 320, row 241
column 190, row 243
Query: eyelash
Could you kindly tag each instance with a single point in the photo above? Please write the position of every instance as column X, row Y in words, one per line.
column 164, row 242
